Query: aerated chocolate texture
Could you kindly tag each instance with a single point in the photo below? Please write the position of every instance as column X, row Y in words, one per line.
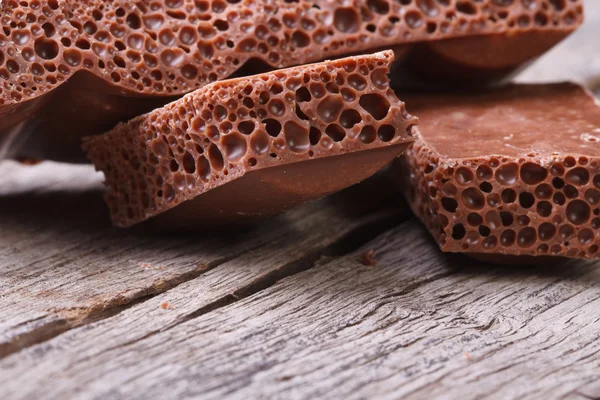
column 171, row 47
column 230, row 130
column 515, row 171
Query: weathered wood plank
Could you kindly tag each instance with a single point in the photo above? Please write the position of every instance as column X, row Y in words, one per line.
column 418, row 324
column 62, row 263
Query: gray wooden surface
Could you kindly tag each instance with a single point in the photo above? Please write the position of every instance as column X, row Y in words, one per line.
column 284, row 309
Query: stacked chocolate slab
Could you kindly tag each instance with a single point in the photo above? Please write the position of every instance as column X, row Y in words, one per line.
column 512, row 170
column 94, row 63
column 251, row 147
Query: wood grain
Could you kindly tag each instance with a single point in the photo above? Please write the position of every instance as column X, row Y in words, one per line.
column 419, row 324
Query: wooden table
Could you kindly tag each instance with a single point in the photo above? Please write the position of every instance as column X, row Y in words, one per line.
column 284, row 309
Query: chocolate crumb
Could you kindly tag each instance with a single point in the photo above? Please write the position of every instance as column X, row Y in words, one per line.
column 368, row 258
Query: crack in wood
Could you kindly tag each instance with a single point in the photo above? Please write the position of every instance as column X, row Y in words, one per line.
column 76, row 317
column 347, row 244
column 486, row 326
column 417, row 284
column 30, row 338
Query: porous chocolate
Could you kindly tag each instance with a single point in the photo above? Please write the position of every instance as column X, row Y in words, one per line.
column 113, row 58
column 513, row 171
column 249, row 147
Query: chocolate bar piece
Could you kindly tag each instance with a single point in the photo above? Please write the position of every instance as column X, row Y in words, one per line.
column 514, row 171
column 249, row 147
column 117, row 59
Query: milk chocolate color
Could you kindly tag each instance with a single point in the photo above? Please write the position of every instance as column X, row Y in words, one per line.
column 513, row 171
column 81, row 66
column 249, row 147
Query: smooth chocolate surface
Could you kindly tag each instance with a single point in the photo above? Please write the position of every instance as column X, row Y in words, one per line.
column 513, row 171
column 254, row 146
column 136, row 55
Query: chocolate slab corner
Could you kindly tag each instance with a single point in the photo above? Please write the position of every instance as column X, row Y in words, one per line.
column 513, row 171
